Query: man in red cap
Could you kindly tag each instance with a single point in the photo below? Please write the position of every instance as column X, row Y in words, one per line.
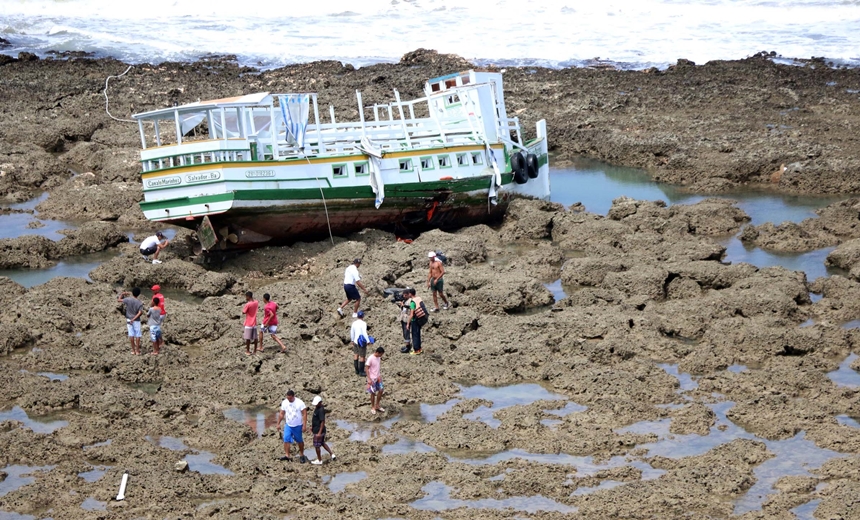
column 156, row 293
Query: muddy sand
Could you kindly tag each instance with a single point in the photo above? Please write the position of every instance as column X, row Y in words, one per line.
column 664, row 383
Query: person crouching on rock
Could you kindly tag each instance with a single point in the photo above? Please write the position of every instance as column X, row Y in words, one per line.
column 155, row 320
column 351, row 279
column 359, row 341
column 270, row 322
column 294, row 414
column 153, row 246
column 250, row 312
column 133, row 310
column 373, row 367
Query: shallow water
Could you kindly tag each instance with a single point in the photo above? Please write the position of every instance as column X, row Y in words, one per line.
column 339, row 482
column 557, row 290
column 7, row 515
column 364, row 431
column 606, row 484
column 846, row 420
column 501, row 397
column 151, row 388
column 95, row 474
column 595, row 184
column 438, row 498
column 806, row 511
column 72, row 267
column 199, row 461
column 52, row 376
column 44, row 424
column 686, row 380
column 13, row 225
column 737, row 369
column 91, row 504
column 18, row 476
column 845, row 375
column 258, row 418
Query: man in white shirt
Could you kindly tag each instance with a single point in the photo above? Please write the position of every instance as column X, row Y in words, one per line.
column 295, row 415
column 351, row 279
column 152, row 246
column 359, row 341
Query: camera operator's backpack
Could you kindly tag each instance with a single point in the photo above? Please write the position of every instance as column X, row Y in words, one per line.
column 421, row 315
column 441, row 257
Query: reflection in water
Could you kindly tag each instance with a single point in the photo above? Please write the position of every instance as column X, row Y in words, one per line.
column 438, row 498
column 13, row 225
column 556, row 289
column 339, row 482
column 364, row 431
column 199, row 461
column 72, row 267
column 686, row 380
column 19, row 476
column 258, row 418
column 812, row 263
column 845, row 375
column 45, row 424
column 807, row 510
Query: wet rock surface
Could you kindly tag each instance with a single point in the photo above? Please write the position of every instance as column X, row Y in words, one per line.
column 637, row 354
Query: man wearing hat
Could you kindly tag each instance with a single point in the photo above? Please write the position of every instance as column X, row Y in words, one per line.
column 359, row 340
column 318, row 429
column 351, row 279
column 294, row 414
column 435, row 282
column 152, row 246
column 156, row 293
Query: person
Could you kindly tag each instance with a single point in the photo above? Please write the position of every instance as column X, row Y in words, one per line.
column 155, row 320
column 294, row 414
column 417, row 319
column 318, row 429
column 133, row 310
column 270, row 322
column 359, row 340
column 250, row 312
column 435, row 282
column 156, row 293
column 153, row 246
column 351, row 279
column 374, row 380
column 404, row 327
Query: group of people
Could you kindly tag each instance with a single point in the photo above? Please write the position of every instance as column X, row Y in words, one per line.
column 134, row 309
column 268, row 326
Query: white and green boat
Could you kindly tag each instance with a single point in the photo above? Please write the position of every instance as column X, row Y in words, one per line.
column 253, row 170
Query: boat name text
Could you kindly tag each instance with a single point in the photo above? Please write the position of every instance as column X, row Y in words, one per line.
column 202, row 177
column 255, row 174
column 164, row 181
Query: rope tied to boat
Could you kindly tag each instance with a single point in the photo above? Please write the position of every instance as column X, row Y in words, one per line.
column 107, row 79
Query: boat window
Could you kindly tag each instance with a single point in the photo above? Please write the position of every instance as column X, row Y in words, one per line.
column 444, row 161
column 361, row 168
column 338, row 170
column 436, row 87
column 477, row 158
column 451, row 83
column 464, row 80
column 453, row 99
column 405, row 165
column 426, row 163
column 462, row 159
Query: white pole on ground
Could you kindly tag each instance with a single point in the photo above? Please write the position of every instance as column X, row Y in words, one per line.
column 122, row 485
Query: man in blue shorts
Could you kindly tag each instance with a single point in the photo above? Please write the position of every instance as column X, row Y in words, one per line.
column 133, row 310
column 295, row 415
column 351, row 280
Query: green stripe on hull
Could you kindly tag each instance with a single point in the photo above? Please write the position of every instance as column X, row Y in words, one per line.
column 414, row 190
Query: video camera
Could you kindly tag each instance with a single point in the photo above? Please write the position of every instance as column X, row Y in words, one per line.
column 398, row 294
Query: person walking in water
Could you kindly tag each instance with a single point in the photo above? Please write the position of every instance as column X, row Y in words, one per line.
column 153, row 246
column 318, row 429
column 435, row 282
column 133, row 310
column 250, row 312
column 359, row 341
column 374, row 381
column 270, row 322
column 155, row 320
column 351, row 279
column 294, row 414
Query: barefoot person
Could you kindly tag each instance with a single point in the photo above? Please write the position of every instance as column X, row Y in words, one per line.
column 359, row 340
column 318, row 429
column 156, row 293
column 435, row 282
column 417, row 319
column 155, row 318
column 250, row 333
column 270, row 322
column 133, row 310
column 294, row 414
column 351, row 279
column 153, row 246
column 373, row 367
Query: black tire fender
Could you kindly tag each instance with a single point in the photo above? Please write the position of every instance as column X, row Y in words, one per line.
column 518, row 165
column 532, row 167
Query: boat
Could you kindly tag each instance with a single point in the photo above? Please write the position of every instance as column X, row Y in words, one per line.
column 265, row 169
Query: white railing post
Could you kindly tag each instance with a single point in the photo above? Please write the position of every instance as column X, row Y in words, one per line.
column 142, row 135
column 361, row 114
column 317, row 124
column 402, row 119
column 178, row 126
column 274, row 133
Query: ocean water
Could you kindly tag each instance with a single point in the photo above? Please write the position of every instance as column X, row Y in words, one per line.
column 554, row 33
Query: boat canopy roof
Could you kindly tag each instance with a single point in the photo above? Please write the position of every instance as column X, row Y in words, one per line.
column 257, row 99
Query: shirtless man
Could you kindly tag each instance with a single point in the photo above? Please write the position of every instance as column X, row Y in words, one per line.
column 435, row 281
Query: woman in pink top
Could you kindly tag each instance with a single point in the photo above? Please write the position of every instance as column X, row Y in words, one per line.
column 270, row 322
column 373, row 368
